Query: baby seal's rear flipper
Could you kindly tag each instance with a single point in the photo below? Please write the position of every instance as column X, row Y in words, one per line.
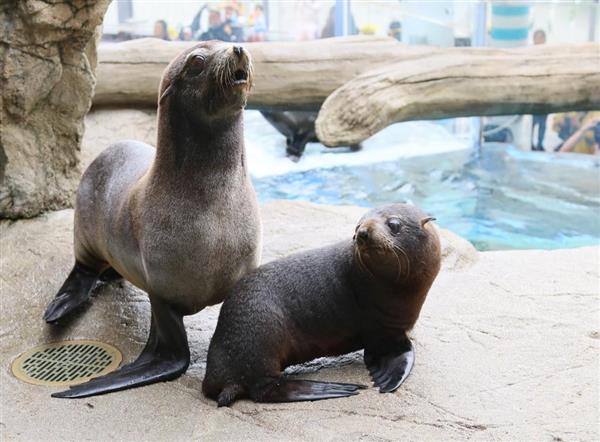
column 166, row 356
column 295, row 390
column 76, row 289
column 390, row 363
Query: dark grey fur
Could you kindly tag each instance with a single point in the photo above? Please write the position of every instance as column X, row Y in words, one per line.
column 362, row 293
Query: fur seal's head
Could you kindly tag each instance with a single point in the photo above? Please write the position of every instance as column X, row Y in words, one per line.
column 397, row 243
column 208, row 81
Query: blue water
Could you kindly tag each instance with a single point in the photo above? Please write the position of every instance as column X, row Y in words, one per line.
column 502, row 198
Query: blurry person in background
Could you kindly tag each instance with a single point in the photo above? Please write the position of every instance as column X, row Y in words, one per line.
column 231, row 27
column 160, row 30
column 231, row 15
column 539, row 38
column 579, row 130
column 259, row 25
column 215, row 27
column 395, row 30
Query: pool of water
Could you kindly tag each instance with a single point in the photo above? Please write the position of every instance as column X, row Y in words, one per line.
column 501, row 198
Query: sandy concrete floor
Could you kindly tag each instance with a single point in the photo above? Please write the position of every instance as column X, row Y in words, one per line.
column 507, row 349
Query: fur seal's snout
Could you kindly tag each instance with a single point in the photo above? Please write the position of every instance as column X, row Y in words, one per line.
column 209, row 82
column 236, row 68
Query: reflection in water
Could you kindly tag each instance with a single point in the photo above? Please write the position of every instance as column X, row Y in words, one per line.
column 500, row 199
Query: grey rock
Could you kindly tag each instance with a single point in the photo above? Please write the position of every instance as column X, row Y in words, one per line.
column 507, row 349
column 47, row 85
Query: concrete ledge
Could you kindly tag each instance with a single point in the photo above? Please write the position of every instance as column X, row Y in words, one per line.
column 507, row 349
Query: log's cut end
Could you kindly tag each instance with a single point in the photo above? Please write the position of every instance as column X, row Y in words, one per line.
column 343, row 121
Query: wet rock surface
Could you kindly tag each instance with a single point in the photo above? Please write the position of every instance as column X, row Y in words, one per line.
column 507, row 349
column 48, row 57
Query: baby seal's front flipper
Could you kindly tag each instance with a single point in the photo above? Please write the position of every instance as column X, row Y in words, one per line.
column 165, row 357
column 295, row 390
column 389, row 362
column 76, row 289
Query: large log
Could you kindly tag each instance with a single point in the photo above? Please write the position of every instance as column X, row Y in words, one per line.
column 290, row 75
column 463, row 82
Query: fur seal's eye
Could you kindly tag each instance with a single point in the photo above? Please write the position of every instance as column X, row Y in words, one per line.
column 196, row 61
column 394, row 225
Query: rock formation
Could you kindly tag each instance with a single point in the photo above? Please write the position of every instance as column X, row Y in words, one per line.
column 47, row 82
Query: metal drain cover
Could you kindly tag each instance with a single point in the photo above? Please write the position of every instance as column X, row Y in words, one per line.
column 66, row 362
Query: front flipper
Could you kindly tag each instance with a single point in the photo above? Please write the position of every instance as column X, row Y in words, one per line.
column 390, row 363
column 165, row 357
column 76, row 290
column 295, row 390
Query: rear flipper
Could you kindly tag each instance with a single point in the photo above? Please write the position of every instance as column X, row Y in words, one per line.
column 389, row 362
column 295, row 390
column 75, row 291
column 165, row 357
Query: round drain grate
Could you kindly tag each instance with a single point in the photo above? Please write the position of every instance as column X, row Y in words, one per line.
column 66, row 363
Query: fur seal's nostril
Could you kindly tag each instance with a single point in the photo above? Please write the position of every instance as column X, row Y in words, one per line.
column 237, row 50
column 362, row 235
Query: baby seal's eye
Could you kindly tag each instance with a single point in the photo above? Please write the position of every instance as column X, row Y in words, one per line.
column 394, row 225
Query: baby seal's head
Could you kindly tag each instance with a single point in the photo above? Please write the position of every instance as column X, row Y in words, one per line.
column 397, row 243
column 208, row 81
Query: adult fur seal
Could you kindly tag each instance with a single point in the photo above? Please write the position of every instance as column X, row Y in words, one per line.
column 298, row 128
column 365, row 293
column 180, row 221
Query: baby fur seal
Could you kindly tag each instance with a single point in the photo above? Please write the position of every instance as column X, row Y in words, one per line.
column 365, row 293
column 180, row 221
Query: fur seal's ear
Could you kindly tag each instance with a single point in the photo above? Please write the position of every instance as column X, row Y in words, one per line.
column 181, row 68
column 166, row 93
column 426, row 220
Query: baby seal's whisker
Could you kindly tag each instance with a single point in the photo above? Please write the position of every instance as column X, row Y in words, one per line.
column 399, row 249
column 399, row 267
column 389, row 246
column 361, row 263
